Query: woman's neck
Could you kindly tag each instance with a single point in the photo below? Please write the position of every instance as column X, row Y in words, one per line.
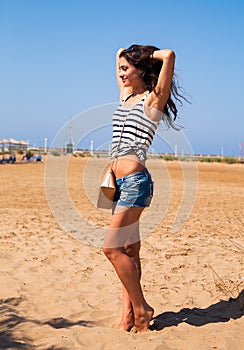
column 138, row 92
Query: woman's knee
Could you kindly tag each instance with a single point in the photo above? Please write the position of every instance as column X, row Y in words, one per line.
column 111, row 253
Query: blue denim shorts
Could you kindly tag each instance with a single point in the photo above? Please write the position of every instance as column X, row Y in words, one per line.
column 134, row 190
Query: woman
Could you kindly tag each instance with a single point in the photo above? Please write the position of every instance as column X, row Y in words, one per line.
column 145, row 80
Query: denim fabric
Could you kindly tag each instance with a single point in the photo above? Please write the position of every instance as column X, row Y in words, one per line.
column 134, row 190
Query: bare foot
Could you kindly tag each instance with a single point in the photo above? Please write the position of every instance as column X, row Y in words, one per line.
column 126, row 326
column 142, row 320
column 127, row 322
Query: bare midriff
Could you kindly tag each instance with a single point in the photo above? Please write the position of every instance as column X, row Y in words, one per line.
column 126, row 165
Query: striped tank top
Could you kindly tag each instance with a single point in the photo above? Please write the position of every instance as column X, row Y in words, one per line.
column 138, row 132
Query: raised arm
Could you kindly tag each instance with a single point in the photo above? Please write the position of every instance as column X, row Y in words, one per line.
column 158, row 98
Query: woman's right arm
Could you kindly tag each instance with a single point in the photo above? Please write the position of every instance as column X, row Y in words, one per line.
column 159, row 96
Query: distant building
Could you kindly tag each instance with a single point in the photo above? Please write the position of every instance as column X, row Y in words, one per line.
column 69, row 148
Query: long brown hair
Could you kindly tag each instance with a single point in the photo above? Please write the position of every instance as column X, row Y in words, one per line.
column 140, row 57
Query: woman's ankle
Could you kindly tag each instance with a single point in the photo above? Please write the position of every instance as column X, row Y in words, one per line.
column 143, row 317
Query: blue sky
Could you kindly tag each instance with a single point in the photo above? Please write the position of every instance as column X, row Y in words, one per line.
column 58, row 59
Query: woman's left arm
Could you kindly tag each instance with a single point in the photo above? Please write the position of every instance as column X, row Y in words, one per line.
column 159, row 97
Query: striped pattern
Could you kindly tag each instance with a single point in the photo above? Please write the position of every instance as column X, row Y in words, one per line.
column 138, row 132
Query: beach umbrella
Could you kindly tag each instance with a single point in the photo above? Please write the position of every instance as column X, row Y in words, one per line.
column 23, row 144
column 2, row 142
column 11, row 142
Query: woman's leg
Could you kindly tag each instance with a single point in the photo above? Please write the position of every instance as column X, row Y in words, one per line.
column 124, row 229
column 127, row 319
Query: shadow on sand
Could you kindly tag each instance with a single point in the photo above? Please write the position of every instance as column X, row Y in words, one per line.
column 9, row 319
column 222, row 311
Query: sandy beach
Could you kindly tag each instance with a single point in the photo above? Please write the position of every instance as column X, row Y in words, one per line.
column 58, row 292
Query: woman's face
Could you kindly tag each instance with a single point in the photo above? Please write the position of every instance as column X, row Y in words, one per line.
column 129, row 75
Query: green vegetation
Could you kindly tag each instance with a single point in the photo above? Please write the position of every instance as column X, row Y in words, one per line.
column 228, row 160
column 168, row 157
column 29, row 154
column 231, row 160
column 210, row 159
column 55, row 153
column 207, row 159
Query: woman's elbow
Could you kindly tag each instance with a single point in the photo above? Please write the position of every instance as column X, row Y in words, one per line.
column 170, row 54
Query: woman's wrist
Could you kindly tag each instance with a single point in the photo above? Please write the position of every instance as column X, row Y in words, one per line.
column 120, row 50
column 152, row 56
